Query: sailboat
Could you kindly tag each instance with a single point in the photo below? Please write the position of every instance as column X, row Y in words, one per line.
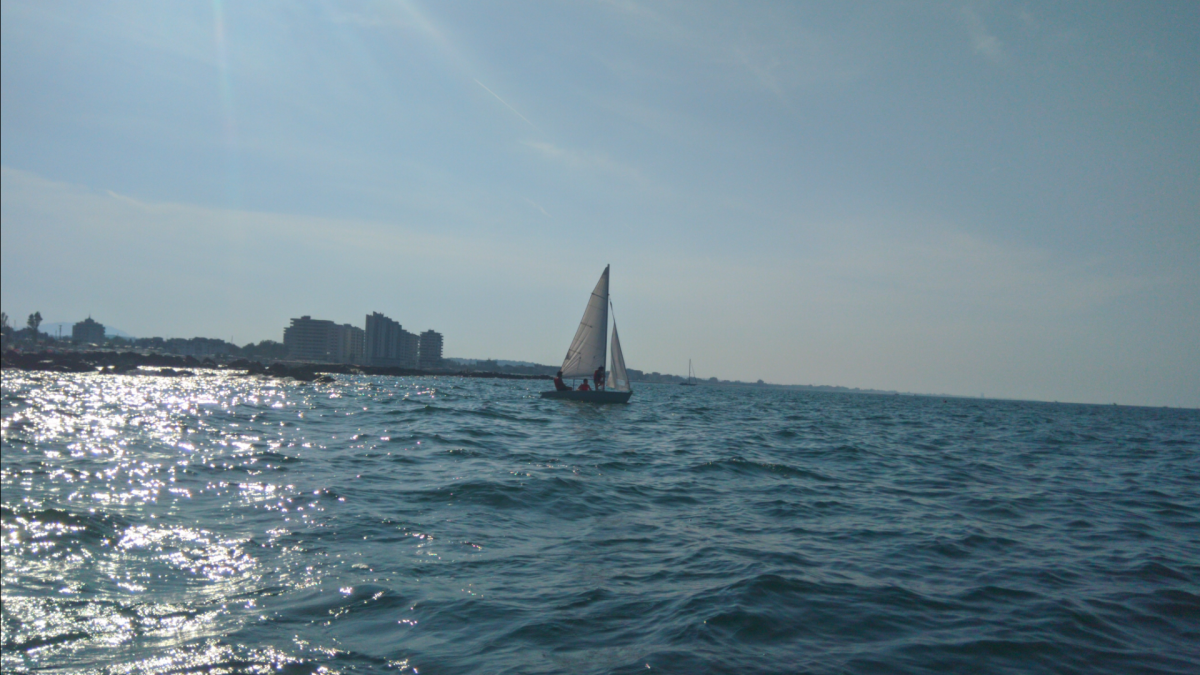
column 691, row 380
column 588, row 351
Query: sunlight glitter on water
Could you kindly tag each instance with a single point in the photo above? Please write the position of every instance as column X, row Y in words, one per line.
column 236, row 524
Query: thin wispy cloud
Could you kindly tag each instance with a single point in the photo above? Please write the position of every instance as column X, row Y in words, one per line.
column 506, row 105
column 589, row 161
column 451, row 50
column 982, row 41
column 123, row 198
column 949, row 268
column 371, row 20
column 770, row 182
column 536, row 206
column 761, row 72
column 85, row 223
column 426, row 25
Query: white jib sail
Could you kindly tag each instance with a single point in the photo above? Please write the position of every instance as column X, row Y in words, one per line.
column 618, row 379
column 588, row 348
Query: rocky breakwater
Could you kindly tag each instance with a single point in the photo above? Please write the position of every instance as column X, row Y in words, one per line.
column 162, row 365
column 170, row 365
column 101, row 362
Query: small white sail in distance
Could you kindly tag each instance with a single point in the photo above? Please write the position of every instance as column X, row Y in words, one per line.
column 618, row 379
column 587, row 350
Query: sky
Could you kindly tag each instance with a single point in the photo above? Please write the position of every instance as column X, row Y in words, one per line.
column 966, row 198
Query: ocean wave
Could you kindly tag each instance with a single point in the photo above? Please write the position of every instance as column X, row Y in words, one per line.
column 437, row 525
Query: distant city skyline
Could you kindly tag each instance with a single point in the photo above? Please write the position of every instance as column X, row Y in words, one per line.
column 936, row 197
column 438, row 361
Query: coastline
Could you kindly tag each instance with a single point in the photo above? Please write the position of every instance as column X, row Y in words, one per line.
column 134, row 363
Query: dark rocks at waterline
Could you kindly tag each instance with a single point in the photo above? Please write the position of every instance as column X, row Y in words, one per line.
column 110, row 362
column 308, row 371
column 162, row 365
column 169, row 365
column 134, row 370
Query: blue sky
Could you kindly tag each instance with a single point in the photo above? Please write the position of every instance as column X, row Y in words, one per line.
column 962, row 198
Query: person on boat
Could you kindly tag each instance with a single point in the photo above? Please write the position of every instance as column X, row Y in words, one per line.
column 598, row 378
column 584, row 386
column 558, row 383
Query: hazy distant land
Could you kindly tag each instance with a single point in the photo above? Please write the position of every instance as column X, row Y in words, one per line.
column 52, row 356
column 48, row 346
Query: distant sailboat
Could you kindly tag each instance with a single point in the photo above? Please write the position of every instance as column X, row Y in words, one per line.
column 588, row 350
column 691, row 379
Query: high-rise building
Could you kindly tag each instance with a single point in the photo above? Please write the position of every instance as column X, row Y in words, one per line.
column 430, row 351
column 309, row 339
column 350, row 342
column 377, row 337
column 388, row 344
column 88, row 330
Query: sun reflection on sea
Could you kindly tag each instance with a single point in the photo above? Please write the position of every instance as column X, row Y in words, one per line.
column 109, row 554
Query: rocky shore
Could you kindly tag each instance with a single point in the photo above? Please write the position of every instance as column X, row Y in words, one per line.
column 169, row 365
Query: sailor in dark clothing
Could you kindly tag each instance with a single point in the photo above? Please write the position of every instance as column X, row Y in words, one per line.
column 558, row 383
column 598, row 378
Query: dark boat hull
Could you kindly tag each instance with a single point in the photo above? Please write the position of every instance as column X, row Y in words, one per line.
column 590, row 396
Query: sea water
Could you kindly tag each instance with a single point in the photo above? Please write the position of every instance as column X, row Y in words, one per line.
column 447, row 525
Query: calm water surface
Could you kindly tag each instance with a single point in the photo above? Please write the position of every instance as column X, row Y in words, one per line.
column 442, row 525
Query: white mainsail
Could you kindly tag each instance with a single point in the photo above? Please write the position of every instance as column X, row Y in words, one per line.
column 618, row 379
column 587, row 350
